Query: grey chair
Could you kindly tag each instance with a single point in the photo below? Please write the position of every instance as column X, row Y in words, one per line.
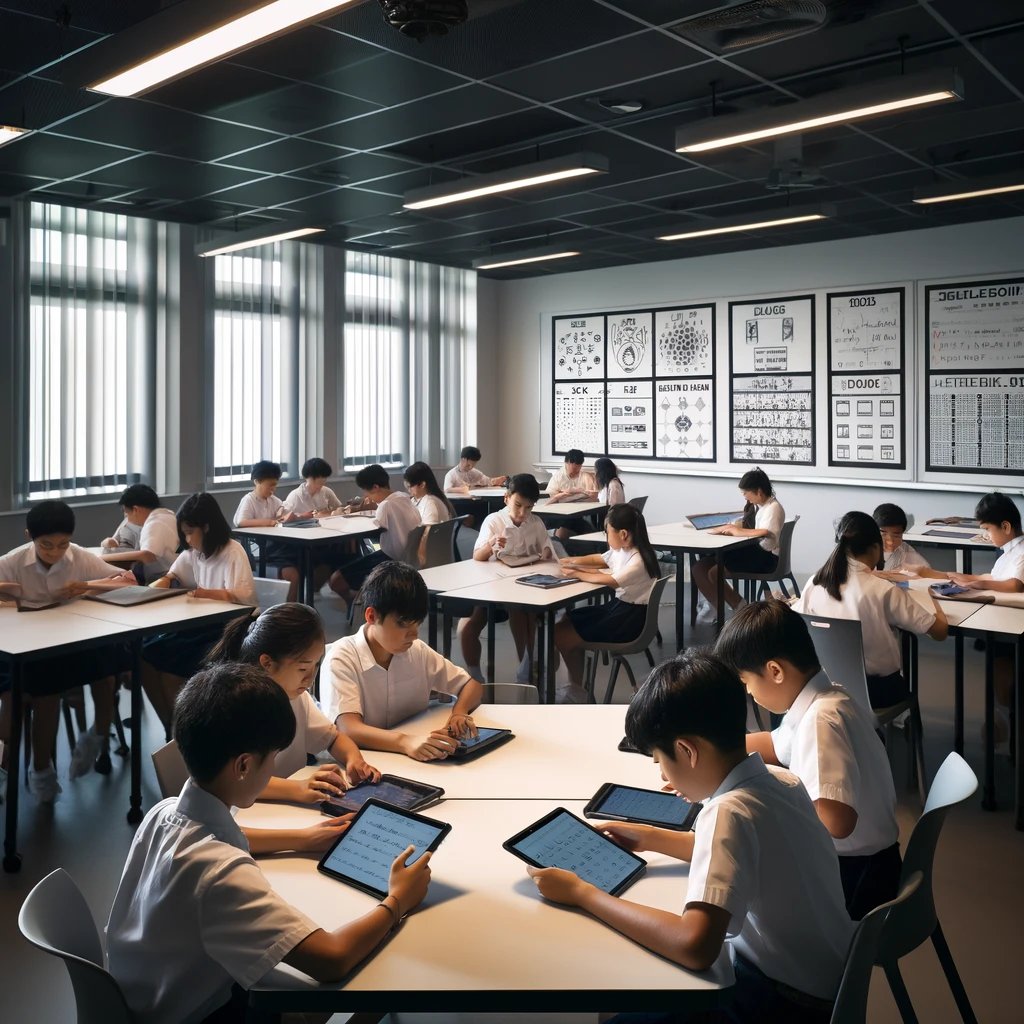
column 638, row 503
column 757, row 582
column 511, row 693
column 440, row 547
column 619, row 652
column 56, row 919
column 171, row 773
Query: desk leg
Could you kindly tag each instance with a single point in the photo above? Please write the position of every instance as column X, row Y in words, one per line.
column 446, row 630
column 261, row 547
column 988, row 793
column 680, row 600
column 968, row 558
column 540, row 649
column 135, row 799
column 308, row 574
column 720, row 593
column 1018, row 719
column 12, row 859
column 432, row 623
column 958, row 694
column 551, row 657
column 489, row 674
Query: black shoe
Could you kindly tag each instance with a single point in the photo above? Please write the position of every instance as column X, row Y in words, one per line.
column 102, row 765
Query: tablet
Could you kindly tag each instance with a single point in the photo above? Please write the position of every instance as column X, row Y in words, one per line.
column 545, row 580
column 300, row 524
column 948, row 589
column 364, row 852
column 709, row 520
column 485, row 740
column 961, row 534
column 647, row 806
column 392, row 789
column 561, row 840
column 128, row 596
column 517, row 560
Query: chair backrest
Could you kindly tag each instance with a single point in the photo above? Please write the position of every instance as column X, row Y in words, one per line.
column 650, row 630
column 270, row 592
column 913, row 923
column 56, row 919
column 171, row 773
column 638, row 503
column 839, row 644
column 441, row 544
column 511, row 693
column 786, row 546
column 852, row 998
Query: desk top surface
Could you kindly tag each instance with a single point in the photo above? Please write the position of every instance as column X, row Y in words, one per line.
column 568, row 508
column 950, row 536
column 339, row 525
column 505, row 590
column 681, row 536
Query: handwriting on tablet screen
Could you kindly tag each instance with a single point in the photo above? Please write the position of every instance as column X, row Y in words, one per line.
column 636, row 803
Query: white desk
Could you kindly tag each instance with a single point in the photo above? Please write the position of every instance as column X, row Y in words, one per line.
column 484, row 939
column 567, row 509
column 951, row 537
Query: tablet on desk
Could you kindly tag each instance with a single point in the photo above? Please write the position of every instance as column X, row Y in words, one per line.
column 517, row 560
column 300, row 524
column 485, row 740
column 959, row 534
column 392, row 789
column 646, row 806
column 128, row 596
column 709, row 520
column 561, row 840
column 364, row 852
column 545, row 580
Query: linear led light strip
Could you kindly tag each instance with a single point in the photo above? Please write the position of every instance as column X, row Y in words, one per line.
column 266, row 240
column 524, row 259
column 461, row 195
column 972, row 194
column 237, row 34
column 774, row 223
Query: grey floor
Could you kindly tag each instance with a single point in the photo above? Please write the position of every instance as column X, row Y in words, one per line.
column 978, row 873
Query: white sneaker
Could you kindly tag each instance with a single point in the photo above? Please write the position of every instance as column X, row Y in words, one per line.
column 572, row 694
column 43, row 784
column 87, row 749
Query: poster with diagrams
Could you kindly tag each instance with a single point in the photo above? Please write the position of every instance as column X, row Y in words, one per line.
column 578, row 371
column 579, row 417
column 630, row 338
column 685, row 415
column 771, row 369
column 629, row 419
column 579, row 348
column 866, row 383
column 974, row 377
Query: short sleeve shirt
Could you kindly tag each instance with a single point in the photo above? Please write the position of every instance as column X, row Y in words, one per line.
column 770, row 516
column 302, row 503
column 456, row 477
column 228, row 569
column 253, row 507
column 1010, row 563
column 906, row 556
column 529, row 538
column 560, row 481
column 41, row 584
column 431, row 509
column 613, row 494
column 397, row 517
column 314, row 732
column 160, row 537
column 631, row 575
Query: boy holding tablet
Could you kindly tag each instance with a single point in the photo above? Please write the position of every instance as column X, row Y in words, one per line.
column 827, row 739
column 194, row 921
column 762, row 869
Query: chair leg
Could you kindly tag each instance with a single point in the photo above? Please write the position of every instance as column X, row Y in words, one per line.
column 693, row 598
column 611, row 682
column 782, row 587
column 657, row 636
column 650, row 657
column 122, row 741
column 629, row 672
column 956, row 986
column 900, row 993
column 69, row 724
column 918, row 753
column 796, row 586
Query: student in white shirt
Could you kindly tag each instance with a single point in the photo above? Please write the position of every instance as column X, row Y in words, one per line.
column 429, row 501
column 395, row 515
column 313, row 497
column 48, row 570
column 845, row 587
column 899, row 559
column 827, row 739
column 465, row 475
column 609, row 487
column 194, row 922
column 156, row 545
column 571, row 483
column 763, row 517
column 375, row 680
column 630, row 567
column 212, row 566
column 763, row 872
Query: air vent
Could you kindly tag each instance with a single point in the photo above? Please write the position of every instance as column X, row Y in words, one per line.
column 755, row 23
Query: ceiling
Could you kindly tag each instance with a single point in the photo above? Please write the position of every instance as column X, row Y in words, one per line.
column 333, row 122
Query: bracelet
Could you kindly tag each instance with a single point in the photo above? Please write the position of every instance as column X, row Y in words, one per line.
column 393, row 912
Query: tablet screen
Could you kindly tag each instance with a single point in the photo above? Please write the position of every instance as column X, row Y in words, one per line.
column 709, row 520
column 566, row 842
column 482, row 735
column 387, row 791
column 644, row 805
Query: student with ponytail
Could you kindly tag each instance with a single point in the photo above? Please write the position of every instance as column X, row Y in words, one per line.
column 630, row 567
column 845, row 587
column 287, row 642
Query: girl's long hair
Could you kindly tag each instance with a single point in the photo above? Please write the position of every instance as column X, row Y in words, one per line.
column 605, row 471
column 754, row 480
column 282, row 632
column 626, row 517
column 421, row 473
column 856, row 533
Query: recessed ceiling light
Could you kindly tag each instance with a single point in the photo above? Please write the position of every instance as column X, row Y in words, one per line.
column 9, row 133
column 775, row 219
column 516, row 259
column 251, row 240
column 972, row 188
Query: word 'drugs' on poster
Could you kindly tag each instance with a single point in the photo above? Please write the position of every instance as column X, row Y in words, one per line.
column 866, row 383
column 771, row 357
column 974, row 376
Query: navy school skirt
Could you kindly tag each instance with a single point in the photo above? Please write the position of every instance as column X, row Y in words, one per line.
column 613, row 623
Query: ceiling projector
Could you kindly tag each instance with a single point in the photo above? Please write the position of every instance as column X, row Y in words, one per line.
column 422, row 18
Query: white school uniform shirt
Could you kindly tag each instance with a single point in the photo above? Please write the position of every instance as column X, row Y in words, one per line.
column 456, row 477
column 127, row 536
column 432, row 510
column 40, row 584
column 228, row 569
column 828, row 740
column 770, row 516
column 613, row 494
column 253, row 507
column 352, row 682
column 397, row 517
column 194, row 913
column 560, row 481
column 314, row 732
column 906, row 556
column 302, row 503
column 529, row 538
column 760, row 853
column 1010, row 564
column 634, row 585
column 880, row 606
column 160, row 537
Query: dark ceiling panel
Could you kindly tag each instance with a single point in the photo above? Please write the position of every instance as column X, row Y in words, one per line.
column 32, row 40
column 38, row 103
column 294, row 108
column 275, row 190
column 284, row 155
column 48, row 156
column 172, row 179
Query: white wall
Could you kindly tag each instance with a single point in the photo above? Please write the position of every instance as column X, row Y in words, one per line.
column 514, row 318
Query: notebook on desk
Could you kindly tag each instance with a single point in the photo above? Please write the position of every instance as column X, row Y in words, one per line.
column 709, row 520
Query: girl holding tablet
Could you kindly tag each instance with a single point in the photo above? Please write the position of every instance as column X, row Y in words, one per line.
column 630, row 567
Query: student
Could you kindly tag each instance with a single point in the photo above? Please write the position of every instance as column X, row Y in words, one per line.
column 287, row 642
column 383, row 674
column 630, row 566
column 211, row 566
column 396, row 516
column 194, row 921
column 430, row 502
column 262, row 507
column 156, row 544
column 465, row 475
column 514, row 530
column 50, row 569
column 827, row 739
column 313, row 497
column 571, row 483
column 610, row 490
column 763, row 517
column 763, row 872
column 899, row 559
column 845, row 587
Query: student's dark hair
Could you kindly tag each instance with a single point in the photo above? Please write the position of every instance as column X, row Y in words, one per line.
column 227, row 710
column 50, row 517
column 421, row 473
column 265, row 470
column 470, row 452
column 282, row 632
column 201, row 509
column 767, row 631
column 575, row 456
column 139, row 496
column 856, row 533
column 695, row 694
column 627, row 517
column 525, row 485
column 318, row 469
column 888, row 514
column 394, row 588
column 605, row 471
column 754, row 480
column 996, row 508
column 372, row 476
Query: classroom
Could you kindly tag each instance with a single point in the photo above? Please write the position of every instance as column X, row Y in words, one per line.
column 565, row 273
